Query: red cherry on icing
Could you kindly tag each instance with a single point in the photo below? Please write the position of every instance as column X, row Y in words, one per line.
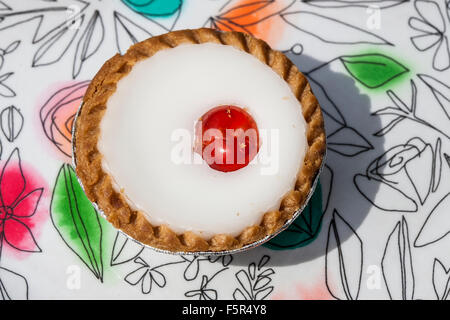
column 227, row 137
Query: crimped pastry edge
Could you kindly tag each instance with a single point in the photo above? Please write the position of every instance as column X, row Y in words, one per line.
column 98, row 184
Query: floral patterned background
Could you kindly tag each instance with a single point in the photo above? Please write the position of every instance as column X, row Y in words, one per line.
column 378, row 224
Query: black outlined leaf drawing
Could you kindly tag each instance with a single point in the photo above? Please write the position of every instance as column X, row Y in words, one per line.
column 5, row 76
column 11, row 122
column 246, row 286
column 254, row 283
column 9, row 49
column 13, row 286
column 53, row 49
column 128, row 32
column 437, row 224
column 440, row 90
column 263, row 261
column 348, row 142
column 441, row 280
column 396, row 264
column 343, row 261
column 124, row 249
column 333, row 117
column 400, row 111
column 373, row 70
column 6, row 91
column 382, row 4
column 437, row 167
column 90, row 41
column 383, row 197
column 433, row 116
column 327, row 104
column 343, row 33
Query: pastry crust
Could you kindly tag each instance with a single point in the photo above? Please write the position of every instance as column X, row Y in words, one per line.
column 98, row 184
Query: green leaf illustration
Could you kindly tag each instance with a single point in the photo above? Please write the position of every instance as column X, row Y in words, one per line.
column 76, row 220
column 373, row 70
column 304, row 229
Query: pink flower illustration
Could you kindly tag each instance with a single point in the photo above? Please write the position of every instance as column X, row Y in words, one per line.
column 19, row 201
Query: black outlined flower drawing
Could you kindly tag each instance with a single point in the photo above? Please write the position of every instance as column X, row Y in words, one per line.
column 431, row 28
column 18, row 205
column 146, row 276
column 406, row 171
column 204, row 292
column 20, row 210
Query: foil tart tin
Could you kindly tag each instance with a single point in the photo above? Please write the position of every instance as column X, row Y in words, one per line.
column 200, row 253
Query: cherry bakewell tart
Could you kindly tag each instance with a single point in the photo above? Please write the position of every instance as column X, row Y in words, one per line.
column 240, row 183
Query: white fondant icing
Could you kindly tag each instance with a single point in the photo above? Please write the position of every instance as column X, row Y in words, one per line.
column 169, row 92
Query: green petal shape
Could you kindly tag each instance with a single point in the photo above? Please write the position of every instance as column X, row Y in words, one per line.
column 76, row 220
column 373, row 70
column 304, row 229
column 154, row 8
